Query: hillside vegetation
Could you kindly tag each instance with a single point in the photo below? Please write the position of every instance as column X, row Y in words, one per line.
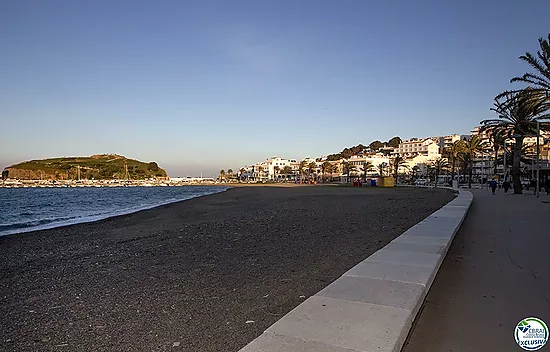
column 105, row 166
column 374, row 146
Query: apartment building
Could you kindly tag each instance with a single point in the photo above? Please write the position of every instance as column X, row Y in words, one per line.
column 477, row 131
column 428, row 147
column 447, row 141
column 375, row 160
column 270, row 168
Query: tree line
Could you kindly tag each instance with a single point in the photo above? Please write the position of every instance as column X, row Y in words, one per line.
column 376, row 145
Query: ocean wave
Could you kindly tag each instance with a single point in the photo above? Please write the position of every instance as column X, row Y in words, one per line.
column 91, row 215
column 32, row 223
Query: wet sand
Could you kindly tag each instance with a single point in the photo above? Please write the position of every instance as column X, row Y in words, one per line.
column 207, row 274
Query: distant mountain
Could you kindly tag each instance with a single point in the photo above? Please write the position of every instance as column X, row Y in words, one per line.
column 104, row 166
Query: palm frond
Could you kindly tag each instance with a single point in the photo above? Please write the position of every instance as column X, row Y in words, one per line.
column 541, row 65
column 533, row 61
column 508, row 93
column 533, row 79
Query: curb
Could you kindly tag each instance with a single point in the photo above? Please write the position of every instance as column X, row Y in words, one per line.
column 373, row 305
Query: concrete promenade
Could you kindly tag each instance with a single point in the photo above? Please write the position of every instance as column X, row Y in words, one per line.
column 496, row 272
column 373, row 305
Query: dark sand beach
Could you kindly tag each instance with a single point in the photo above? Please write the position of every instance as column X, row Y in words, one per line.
column 208, row 274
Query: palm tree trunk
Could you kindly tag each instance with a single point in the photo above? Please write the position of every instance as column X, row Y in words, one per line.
column 516, row 165
column 496, row 162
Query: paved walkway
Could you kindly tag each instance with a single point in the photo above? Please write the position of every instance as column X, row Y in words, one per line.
column 496, row 273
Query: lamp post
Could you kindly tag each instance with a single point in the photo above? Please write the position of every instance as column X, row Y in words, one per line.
column 538, row 157
column 532, row 167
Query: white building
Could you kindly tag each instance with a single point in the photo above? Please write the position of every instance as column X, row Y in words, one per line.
column 275, row 166
column 420, row 160
column 270, row 168
column 428, row 147
column 375, row 160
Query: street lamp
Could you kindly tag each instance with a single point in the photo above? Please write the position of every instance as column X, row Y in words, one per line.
column 538, row 157
column 538, row 147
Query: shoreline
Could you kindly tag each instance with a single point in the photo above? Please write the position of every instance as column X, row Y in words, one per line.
column 16, row 184
column 95, row 218
column 193, row 272
column 97, row 183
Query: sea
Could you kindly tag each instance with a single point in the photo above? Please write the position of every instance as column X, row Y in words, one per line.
column 30, row 209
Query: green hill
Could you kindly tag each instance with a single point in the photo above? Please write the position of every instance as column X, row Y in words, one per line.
column 104, row 166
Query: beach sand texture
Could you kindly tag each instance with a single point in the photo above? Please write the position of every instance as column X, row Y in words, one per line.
column 207, row 274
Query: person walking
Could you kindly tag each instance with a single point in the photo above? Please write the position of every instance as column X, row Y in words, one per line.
column 506, row 186
column 493, row 185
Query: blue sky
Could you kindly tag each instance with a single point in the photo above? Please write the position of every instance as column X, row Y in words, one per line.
column 204, row 85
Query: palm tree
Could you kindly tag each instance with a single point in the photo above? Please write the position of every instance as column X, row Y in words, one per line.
column 260, row 172
column 352, row 169
column 325, row 167
column 287, row 170
column 276, row 169
column 498, row 139
column 367, row 167
column 540, row 80
column 415, row 172
column 230, row 173
column 430, row 172
column 381, row 168
column 397, row 163
column 439, row 165
column 241, row 172
column 301, row 169
column 222, row 174
column 472, row 147
column 347, row 169
column 509, row 152
column 311, row 169
column 453, row 154
column 517, row 118
column 333, row 168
